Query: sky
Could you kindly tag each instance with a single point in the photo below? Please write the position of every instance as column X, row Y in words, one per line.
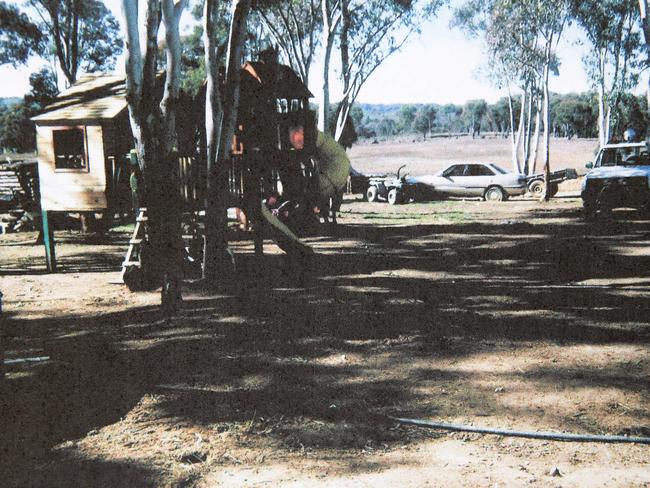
column 439, row 66
column 443, row 66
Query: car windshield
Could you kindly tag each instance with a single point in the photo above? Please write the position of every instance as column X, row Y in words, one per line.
column 625, row 156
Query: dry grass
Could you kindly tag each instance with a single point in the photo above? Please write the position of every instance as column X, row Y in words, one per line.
column 424, row 157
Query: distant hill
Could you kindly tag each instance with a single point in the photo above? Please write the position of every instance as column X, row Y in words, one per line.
column 8, row 101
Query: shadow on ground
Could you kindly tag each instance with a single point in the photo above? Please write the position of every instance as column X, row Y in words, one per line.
column 279, row 343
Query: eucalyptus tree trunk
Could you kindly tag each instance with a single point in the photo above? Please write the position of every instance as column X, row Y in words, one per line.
column 645, row 27
column 222, row 129
column 603, row 122
column 516, row 145
column 215, row 219
column 166, row 211
column 547, row 124
column 526, row 138
column 532, row 163
column 515, row 163
column 331, row 19
column 344, row 46
column 153, row 124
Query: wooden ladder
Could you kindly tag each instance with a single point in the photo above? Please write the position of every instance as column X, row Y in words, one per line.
column 132, row 257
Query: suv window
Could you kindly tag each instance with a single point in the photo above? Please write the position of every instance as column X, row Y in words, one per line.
column 621, row 156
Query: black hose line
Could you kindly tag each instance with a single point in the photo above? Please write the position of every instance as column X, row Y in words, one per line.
column 553, row 436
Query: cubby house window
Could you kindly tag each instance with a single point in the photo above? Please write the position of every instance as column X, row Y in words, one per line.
column 69, row 149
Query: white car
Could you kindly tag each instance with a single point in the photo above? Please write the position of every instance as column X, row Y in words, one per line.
column 485, row 180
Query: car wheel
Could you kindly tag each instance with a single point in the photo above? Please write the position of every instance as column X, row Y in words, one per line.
column 553, row 189
column 536, row 188
column 371, row 193
column 494, row 194
column 394, row 197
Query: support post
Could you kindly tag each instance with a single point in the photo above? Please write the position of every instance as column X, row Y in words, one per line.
column 2, row 350
column 256, row 212
column 48, row 240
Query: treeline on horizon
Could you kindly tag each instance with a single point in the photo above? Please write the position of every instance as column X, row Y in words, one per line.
column 572, row 115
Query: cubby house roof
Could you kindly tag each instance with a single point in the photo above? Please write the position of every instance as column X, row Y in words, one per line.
column 94, row 97
column 279, row 78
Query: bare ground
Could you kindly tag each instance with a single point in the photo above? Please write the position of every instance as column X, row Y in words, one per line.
column 513, row 315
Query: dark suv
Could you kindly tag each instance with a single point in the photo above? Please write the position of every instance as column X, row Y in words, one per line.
column 619, row 179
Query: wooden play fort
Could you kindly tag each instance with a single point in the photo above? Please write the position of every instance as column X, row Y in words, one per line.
column 84, row 149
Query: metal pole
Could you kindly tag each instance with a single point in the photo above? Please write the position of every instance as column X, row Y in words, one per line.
column 48, row 240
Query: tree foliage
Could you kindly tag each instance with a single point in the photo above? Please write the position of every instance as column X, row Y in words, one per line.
column 473, row 113
column 574, row 115
column 79, row 33
column 407, row 116
column 193, row 72
column 17, row 133
column 43, row 89
column 16, row 130
column 19, row 36
column 613, row 62
column 294, row 27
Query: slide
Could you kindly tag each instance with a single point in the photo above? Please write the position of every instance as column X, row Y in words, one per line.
column 283, row 236
column 333, row 171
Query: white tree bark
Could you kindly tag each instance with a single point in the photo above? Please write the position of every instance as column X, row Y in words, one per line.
column 602, row 102
column 220, row 128
column 645, row 27
column 331, row 19
column 153, row 127
column 171, row 14
column 520, row 130
column 532, row 162
column 515, row 162
column 240, row 9
column 528, row 130
column 133, row 53
column 547, row 120
column 213, row 107
column 215, row 222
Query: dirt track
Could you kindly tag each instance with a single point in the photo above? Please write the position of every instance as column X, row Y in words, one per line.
column 513, row 315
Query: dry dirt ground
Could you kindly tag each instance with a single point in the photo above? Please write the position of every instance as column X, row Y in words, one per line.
column 513, row 315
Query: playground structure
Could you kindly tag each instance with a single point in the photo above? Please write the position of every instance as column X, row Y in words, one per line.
column 84, row 139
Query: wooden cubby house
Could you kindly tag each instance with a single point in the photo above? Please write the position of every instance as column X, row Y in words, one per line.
column 84, row 139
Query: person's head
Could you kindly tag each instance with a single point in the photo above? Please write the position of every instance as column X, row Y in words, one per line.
column 297, row 136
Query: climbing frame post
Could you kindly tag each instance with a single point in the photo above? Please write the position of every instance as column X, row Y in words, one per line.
column 48, row 241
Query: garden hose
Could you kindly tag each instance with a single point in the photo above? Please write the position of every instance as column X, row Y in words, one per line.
column 553, row 436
